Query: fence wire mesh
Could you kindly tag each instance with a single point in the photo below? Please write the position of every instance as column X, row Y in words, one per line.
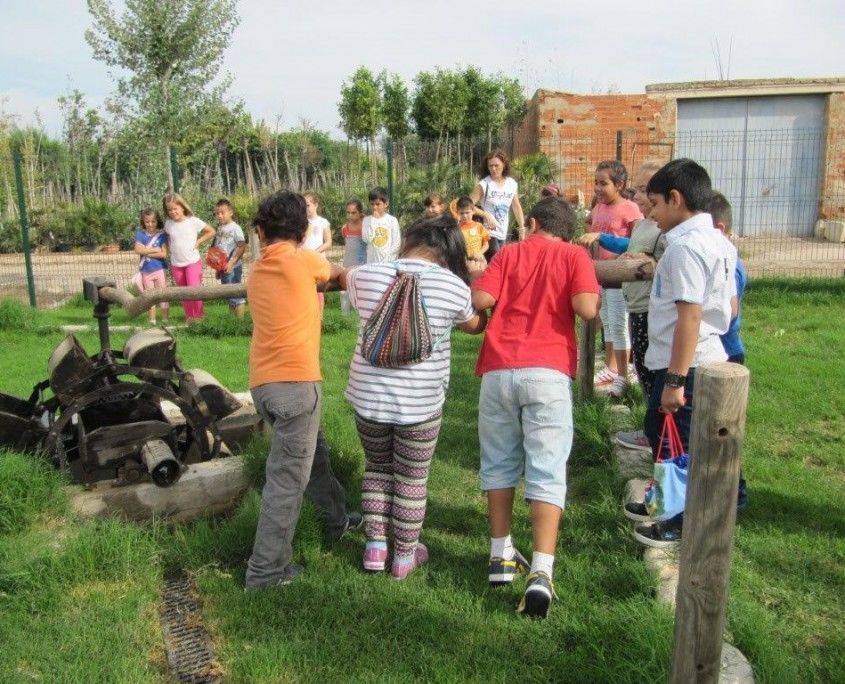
column 83, row 209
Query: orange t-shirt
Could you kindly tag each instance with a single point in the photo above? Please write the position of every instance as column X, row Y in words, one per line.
column 476, row 238
column 282, row 295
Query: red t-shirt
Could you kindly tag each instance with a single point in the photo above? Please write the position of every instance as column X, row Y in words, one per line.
column 533, row 324
column 615, row 219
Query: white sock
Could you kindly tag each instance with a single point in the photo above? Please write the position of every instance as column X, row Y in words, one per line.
column 543, row 562
column 501, row 547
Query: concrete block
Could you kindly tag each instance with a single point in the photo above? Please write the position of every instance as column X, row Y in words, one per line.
column 819, row 229
column 633, row 463
column 834, row 231
column 735, row 668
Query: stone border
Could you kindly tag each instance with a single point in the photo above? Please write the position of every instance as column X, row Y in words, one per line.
column 635, row 468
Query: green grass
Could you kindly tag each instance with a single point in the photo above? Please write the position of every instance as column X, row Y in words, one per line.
column 78, row 600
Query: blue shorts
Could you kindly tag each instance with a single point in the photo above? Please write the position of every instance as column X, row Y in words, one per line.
column 231, row 278
column 525, row 426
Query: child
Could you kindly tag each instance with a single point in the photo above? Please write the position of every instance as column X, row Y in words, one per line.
column 398, row 411
column 646, row 238
column 433, row 205
column 319, row 234
column 722, row 213
column 230, row 238
column 354, row 249
column 380, row 230
column 285, row 382
column 151, row 244
column 182, row 229
column 318, row 237
column 527, row 362
column 689, row 308
column 615, row 215
column 475, row 235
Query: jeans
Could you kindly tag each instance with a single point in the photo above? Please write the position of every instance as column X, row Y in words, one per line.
column 525, row 425
column 230, row 278
column 297, row 466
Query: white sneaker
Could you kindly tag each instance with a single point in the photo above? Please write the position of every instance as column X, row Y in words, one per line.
column 617, row 387
column 604, row 377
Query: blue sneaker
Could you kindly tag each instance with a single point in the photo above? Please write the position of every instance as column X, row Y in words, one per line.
column 659, row 535
column 538, row 596
column 501, row 572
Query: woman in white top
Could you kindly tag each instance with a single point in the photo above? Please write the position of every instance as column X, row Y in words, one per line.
column 398, row 411
column 185, row 233
column 318, row 235
column 496, row 193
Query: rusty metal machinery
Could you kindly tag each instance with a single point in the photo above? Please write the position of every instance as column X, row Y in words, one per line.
column 100, row 417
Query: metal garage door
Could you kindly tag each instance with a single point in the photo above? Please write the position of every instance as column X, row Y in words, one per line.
column 764, row 153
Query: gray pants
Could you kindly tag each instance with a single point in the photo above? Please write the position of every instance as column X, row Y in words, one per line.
column 297, row 465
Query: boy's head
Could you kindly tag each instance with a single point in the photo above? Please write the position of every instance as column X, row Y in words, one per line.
column 466, row 208
column 678, row 191
column 224, row 211
column 433, row 205
column 378, row 201
column 550, row 190
column 720, row 209
column 553, row 216
column 281, row 217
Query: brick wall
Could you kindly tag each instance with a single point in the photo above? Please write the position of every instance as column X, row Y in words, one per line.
column 579, row 131
column 832, row 202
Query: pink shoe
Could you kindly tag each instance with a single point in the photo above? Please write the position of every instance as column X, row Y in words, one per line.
column 402, row 568
column 375, row 560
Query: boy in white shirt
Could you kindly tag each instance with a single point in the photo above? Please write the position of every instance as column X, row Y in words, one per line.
column 380, row 231
column 689, row 308
column 230, row 238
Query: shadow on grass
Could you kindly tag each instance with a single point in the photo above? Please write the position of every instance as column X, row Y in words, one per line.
column 790, row 514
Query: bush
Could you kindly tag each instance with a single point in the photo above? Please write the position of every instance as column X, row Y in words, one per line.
column 95, row 222
column 17, row 317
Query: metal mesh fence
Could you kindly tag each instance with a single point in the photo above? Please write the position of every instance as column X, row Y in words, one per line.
column 84, row 212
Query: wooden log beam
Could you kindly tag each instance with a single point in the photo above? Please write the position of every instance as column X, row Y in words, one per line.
column 716, row 434
column 207, row 488
column 615, row 272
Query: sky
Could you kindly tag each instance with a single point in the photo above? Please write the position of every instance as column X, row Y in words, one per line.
column 289, row 58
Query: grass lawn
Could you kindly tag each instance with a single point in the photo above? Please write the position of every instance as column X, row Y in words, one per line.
column 79, row 600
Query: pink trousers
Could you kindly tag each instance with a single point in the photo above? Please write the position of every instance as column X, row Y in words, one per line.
column 189, row 276
column 149, row 280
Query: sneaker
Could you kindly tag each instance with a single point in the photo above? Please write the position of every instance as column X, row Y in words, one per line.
column 289, row 574
column 617, row 387
column 538, row 596
column 375, row 559
column 659, row 535
column 501, row 572
column 636, row 511
column 353, row 522
column 604, row 377
column 633, row 440
column 402, row 567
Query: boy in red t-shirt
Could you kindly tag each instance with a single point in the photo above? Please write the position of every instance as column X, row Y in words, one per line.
column 526, row 364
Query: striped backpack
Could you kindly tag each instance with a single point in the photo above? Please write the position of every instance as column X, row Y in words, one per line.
column 398, row 332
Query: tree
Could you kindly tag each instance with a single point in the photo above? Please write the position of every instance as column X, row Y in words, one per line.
column 397, row 105
column 173, row 50
column 485, row 108
column 515, row 104
column 360, row 106
column 440, row 105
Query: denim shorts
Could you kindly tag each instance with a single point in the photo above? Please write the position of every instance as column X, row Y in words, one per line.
column 525, row 427
column 233, row 278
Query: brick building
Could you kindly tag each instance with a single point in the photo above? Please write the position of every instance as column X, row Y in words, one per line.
column 776, row 147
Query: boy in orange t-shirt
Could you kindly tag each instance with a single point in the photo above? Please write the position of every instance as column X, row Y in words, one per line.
column 475, row 235
column 285, row 382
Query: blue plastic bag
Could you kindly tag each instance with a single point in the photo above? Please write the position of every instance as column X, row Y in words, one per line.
column 666, row 494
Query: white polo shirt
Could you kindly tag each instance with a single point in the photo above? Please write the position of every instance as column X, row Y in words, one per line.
column 696, row 268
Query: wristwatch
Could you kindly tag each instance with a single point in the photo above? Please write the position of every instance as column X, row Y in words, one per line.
column 674, row 380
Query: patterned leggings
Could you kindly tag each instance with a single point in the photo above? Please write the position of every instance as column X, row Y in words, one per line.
column 639, row 345
column 394, row 489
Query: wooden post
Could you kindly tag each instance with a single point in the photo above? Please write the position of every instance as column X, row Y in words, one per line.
column 716, row 434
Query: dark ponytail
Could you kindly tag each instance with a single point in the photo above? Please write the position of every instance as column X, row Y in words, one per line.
column 443, row 238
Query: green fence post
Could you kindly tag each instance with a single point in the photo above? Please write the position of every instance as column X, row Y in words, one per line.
column 390, row 175
column 30, row 279
column 619, row 146
column 174, row 169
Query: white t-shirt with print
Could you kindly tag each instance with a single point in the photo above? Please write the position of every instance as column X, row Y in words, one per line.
column 497, row 199
column 314, row 232
column 183, row 239
column 228, row 236
column 382, row 237
column 410, row 394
